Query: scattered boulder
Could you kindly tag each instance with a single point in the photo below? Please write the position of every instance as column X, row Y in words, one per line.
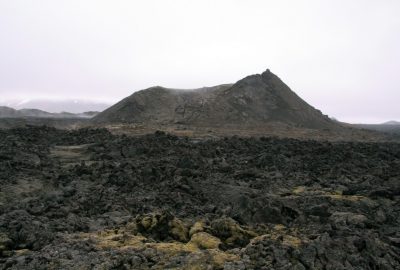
column 162, row 226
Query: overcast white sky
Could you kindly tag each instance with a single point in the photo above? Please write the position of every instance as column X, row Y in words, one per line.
column 341, row 56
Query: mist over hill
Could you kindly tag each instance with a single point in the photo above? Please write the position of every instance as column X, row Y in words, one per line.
column 393, row 123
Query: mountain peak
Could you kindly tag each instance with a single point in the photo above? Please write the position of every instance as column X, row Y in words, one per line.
column 266, row 73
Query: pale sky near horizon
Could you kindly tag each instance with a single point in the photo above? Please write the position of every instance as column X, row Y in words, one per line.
column 342, row 56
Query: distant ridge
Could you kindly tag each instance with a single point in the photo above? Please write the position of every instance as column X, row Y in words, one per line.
column 391, row 123
column 75, row 106
column 253, row 101
column 7, row 112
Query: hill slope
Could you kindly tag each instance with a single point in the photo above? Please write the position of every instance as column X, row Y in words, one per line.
column 253, row 101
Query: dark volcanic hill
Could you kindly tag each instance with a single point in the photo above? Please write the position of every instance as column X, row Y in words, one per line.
column 253, row 101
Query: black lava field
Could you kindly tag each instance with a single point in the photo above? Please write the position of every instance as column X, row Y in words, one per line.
column 87, row 199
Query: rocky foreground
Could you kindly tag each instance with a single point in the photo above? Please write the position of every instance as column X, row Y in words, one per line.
column 87, row 199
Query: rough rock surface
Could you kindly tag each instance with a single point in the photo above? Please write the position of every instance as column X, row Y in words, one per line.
column 87, row 199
